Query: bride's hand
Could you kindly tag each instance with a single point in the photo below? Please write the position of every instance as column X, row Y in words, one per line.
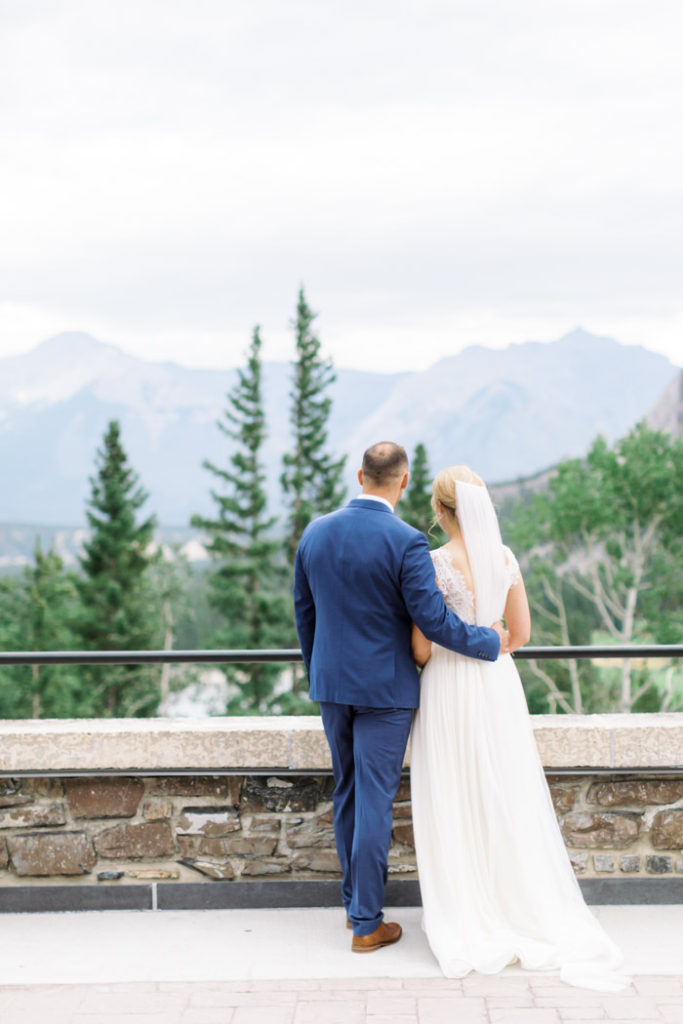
column 504, row 637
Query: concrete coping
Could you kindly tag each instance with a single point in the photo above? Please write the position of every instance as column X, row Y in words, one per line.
column 297, row 744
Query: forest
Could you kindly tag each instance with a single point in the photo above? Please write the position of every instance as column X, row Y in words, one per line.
column 600, row 546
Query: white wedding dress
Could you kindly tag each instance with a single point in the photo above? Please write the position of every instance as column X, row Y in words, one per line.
column 497, row 885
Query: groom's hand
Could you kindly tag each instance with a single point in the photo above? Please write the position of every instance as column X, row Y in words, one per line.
column 504, row 637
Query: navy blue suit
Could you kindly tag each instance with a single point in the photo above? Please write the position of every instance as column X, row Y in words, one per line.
column 362, row 577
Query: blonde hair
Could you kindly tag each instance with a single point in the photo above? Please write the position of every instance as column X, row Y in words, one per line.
column 443, row 489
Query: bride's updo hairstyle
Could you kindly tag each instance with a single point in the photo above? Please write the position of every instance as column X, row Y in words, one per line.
column 443, row 489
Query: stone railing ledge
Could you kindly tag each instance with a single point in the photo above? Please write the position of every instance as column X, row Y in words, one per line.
column 610, row 741
column 56, row 746
column 297, row 744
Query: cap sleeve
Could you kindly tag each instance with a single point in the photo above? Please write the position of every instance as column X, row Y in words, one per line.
column 514, row 572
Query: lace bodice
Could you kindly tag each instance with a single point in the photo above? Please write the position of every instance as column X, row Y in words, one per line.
column 452, row 585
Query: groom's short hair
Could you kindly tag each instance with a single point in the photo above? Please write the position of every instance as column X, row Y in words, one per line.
column 384, row 462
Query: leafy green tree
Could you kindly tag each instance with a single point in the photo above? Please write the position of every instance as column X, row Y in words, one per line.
column 415, row 506
column 117, row 606
column 248, row 581
column 605, row 564
column 37, row 612
column 312, row 477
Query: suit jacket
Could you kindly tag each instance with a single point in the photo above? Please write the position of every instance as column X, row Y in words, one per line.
column 362, row 577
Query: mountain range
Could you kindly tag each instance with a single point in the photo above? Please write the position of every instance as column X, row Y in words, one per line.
column 508, row 413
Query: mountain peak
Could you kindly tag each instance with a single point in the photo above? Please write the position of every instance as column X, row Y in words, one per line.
column 57, row 368
column 580, row 338
column 75, row 344
column 578, row 334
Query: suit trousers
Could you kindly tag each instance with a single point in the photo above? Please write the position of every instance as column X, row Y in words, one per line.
column 368, row 746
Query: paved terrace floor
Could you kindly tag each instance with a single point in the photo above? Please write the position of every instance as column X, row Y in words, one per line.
column 295, row 967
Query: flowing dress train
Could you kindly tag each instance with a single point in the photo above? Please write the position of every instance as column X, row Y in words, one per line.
column 496, row 881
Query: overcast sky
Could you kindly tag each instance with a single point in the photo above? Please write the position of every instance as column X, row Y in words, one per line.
column 436, row 174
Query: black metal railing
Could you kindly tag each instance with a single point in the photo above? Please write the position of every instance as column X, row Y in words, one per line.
column 286, row 655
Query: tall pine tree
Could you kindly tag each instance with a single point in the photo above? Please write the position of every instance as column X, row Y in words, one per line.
column 117, row 606
column 247, row 584
column 312, row 477
column 415, row 507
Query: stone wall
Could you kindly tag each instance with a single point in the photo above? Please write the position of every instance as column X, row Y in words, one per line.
column 203, row 827
column 621, row 825
column 149, row 800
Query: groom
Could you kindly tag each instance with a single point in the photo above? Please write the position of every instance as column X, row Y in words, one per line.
column 362, row 577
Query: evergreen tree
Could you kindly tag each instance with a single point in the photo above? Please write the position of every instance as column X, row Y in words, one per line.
column 312, row 477
column 247, row 585
column 51, row 601
column 415, row 505
column 37, row 612
column 117, row 607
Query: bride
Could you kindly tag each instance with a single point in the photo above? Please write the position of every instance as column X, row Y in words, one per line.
column 497, row 885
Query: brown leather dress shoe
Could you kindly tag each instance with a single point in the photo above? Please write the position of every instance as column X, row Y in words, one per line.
column 348, row 923
column 385, row 935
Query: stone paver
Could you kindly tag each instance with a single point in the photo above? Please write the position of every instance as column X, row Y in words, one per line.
column 565, row 995
column 631, row 1007
column 263, row 1015
column 207, row 1016
column 672, row 1012
column 126, row 1002
column 523, row 1015
column 350, row 1011
column 99, row 1018
column 390, row 1018
column 522, row 997
column 467, row 1007
column 582, row 1013
column 472, row 1000
column 388, row 1003
column 659, row 986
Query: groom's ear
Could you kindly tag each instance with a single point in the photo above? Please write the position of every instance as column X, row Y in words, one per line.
column 360, row 477
column 404, row 481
